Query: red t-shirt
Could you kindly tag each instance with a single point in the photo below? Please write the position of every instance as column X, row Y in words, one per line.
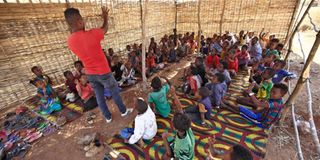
column 233, row 65
column 213, row 61
column 86, row 45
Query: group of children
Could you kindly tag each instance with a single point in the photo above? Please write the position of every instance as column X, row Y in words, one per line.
column 206, row 80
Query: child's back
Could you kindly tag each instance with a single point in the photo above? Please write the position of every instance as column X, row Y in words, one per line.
column 159, row 98
column 145, row 126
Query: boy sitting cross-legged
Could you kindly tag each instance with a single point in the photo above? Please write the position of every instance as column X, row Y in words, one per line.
column 263, row 89
column 204, row 107
column 218, row 89
column 268, row 111
column 145, row 125
column 182, row 146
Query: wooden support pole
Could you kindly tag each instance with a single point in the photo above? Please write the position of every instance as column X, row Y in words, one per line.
column 176, row 14
column 143, row 10
column 304, row 75
column 221, row 18
column 296, row 29
column 199, row 27
column 295, row 11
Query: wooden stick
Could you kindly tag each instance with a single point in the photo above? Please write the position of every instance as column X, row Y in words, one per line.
column 296, row 29
column 144, row 13
column 295, row 11
column 304, row 75
column 221, row 18
column 199, row 27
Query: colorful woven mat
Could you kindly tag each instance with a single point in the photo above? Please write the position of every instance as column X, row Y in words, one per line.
column 71, row 111
column 229, row 129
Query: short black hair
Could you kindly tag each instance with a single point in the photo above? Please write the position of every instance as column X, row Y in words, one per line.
column 204, row 92
column 70, row 13
column 281, row 45
column 224, row 64
column 275, row 40
column 282, row 62
column 221, row 78
column 271, row 72
column 245, row 46
column 181, row 122
column 66, row 72
column 282, row 87
column 240, row 153
column 33, row 68
column 194, row 70
column 141, row 106
column 200, row 59
column 78, row 62
column 156, row 83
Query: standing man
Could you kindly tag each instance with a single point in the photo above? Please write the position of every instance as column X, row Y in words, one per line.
column 86, row 45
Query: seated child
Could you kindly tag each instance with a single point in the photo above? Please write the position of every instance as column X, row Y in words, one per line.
column 218, row 89
column 268, row 61
column 158, row 97
column 159, row 59
column 182, row 146
column 193, row 81
column 212, row 60
column 225, row 49
column 262, row 90
column 50, row 102
column 243, row 57
column 151, row 62
column 201, row 70
column 86, row 93
column 232, row 62
column 145, row 125
column 172, row 55
column 235, row 152
column 116, row 68
column 70, row 82
column 268, row 111
column 128, row 73
column 280, row 73
column 37, row 70
column 79, row 69
column 203, row 109
column 222, row 68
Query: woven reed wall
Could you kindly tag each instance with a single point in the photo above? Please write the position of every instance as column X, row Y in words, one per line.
column 35, row 34
column 273, row 15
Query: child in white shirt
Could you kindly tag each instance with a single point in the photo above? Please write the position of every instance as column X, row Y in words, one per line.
column 145, row 125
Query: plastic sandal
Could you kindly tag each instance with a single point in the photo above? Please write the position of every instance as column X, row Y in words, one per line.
column 35, row 137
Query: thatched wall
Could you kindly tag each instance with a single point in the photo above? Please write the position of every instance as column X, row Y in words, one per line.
column 273, row 15
column 35, row 34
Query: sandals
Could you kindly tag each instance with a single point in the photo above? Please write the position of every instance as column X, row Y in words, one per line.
column 90, row 118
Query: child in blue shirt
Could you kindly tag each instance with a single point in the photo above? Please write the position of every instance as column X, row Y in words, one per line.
column 280, row 73
column 218, row 89
column 204, row 107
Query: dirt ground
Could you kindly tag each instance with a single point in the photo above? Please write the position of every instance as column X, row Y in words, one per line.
column 281, row 140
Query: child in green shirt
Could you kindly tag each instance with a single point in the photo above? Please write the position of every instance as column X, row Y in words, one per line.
column 263, row 89
column 182, row 147
column 158, row 97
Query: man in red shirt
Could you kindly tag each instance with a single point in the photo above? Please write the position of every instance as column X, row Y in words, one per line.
column 86, row 45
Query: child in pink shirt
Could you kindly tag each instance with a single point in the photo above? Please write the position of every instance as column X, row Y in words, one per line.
column 86, row 93
column 243, row 56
